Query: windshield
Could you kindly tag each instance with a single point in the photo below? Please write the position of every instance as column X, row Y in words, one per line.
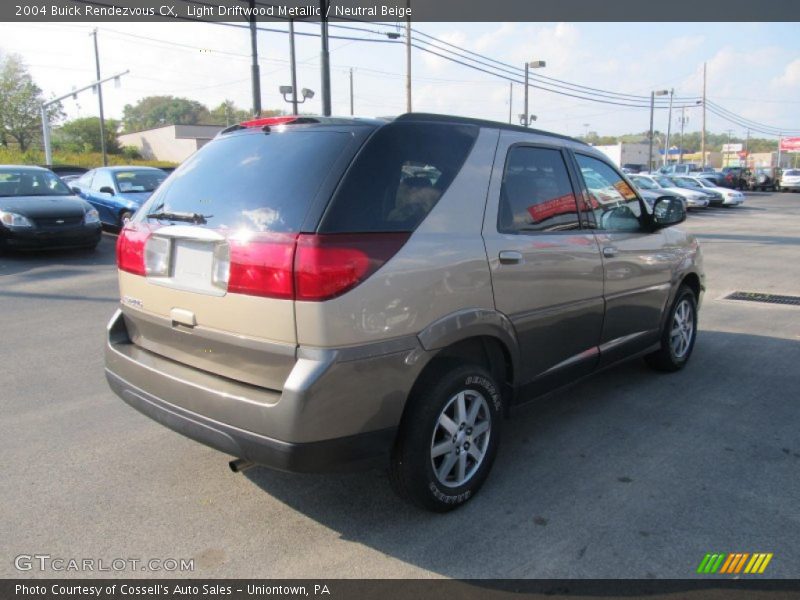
column 705, row 183
column 644, row 183
column 687, row 182
column 31, row 182
column 792, row 173
column 139, row 180
column 665, row 182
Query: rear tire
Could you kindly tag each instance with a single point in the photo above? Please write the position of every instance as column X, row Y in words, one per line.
column 679, row 334
column 448, row 437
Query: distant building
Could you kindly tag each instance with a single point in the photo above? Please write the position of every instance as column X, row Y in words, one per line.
column 174, row 143
column 627, row 153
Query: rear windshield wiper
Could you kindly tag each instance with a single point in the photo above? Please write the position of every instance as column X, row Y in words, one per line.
column 188, row 217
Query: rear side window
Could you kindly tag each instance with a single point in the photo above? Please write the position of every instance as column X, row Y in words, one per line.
column 398, row 177
column 536, row 194
column 252, row 182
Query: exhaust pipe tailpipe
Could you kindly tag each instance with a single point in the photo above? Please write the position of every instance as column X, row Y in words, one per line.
column 240, row 464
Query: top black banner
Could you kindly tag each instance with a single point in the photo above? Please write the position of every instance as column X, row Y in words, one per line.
column 400, row 10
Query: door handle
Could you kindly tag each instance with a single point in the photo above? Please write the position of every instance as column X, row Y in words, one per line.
column 610, row 251
column 510, row 257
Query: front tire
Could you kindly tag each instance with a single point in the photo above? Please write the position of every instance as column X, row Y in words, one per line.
column 124, row 217
column 679, row 334
column 448, row 437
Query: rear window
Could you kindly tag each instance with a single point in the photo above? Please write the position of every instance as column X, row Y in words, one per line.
column 398, row 177
column 792, row 173
column 252, row 182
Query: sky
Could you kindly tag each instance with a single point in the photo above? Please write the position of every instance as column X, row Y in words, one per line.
column 753, row 69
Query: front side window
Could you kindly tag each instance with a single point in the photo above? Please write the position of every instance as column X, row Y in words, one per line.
column 102, row 179
column 616, row 206
column 536, row 194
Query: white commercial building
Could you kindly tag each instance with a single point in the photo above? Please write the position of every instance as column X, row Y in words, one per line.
column 173, row 143
column 627, row 153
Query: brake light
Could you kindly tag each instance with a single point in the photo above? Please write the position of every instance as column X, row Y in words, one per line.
column 268, row 121
column 262, row 265
column 328, row 265
column 131, row 247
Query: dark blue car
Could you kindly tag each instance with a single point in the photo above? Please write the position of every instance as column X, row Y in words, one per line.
column 118, row 192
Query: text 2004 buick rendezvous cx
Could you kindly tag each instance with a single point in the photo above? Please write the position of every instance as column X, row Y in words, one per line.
column 312, row 293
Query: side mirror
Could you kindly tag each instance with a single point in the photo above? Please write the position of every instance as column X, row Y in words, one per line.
column 75, row 190
column 106, row 190
column 667, row 211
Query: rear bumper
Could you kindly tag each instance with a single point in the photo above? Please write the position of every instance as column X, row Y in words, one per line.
column 339, row 409
column 362, row 450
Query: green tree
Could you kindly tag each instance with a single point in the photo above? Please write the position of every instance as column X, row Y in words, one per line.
column 83, row 135
column 154, row 111
column 20, row 104
column 227, row 113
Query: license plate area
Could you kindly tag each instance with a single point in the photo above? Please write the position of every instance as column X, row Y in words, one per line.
column 191, row 265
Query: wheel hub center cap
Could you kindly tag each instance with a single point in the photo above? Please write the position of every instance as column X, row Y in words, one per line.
column 460, row 437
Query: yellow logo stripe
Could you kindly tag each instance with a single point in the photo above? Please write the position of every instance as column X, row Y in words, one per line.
column 765, row 563
column 749, row 567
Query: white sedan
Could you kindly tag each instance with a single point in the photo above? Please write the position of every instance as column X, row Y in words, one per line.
column 657, row 182
column 729, row 197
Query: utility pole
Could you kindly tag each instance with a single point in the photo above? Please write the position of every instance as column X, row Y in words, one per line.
column 683, row 122
column 780, row 136
column 325, row 61
column 255, row 72
column 746, row 146
column 650, row 151
column 100, row 100
column 293, row 66
column 351, row 91
column 510, row 100
column 408, row 56
column 703, row 133
column 669, row 127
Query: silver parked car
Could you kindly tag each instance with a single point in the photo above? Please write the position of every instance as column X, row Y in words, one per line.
column 314, row 293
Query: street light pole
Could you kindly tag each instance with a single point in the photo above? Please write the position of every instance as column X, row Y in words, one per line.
column 100, row 100
column 255, row 70
column 351, row 91
column 293, row 66
column 408, row 56
column 510, row 99
column 534, row 64
column 653, row 95
column 683, row 122
column 325, row 60
column 669, row 127
column 48, row 152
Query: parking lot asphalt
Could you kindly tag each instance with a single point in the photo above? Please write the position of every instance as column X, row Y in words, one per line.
column 629, row 474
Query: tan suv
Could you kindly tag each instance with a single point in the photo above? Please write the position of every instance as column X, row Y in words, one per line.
column 318, row 293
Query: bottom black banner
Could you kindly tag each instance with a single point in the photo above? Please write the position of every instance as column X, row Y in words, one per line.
column 417, row 589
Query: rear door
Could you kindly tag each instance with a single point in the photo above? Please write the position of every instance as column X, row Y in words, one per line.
column 217, row 293
column 103, row 201
column 637, row 263
column 546, row 269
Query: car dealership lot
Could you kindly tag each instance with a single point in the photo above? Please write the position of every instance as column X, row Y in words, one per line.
column 628, row 474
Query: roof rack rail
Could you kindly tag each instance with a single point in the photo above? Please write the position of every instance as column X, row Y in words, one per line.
column 412, row 116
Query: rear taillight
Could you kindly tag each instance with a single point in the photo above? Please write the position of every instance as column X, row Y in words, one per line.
column 329, row 265
column 261, row 265
column 131, row 247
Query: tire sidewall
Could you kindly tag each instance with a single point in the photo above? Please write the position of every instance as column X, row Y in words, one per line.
column 683, row 294
column 459, row 379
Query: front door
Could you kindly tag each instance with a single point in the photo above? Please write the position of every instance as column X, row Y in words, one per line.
column 637, row 263
column 546, row 270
